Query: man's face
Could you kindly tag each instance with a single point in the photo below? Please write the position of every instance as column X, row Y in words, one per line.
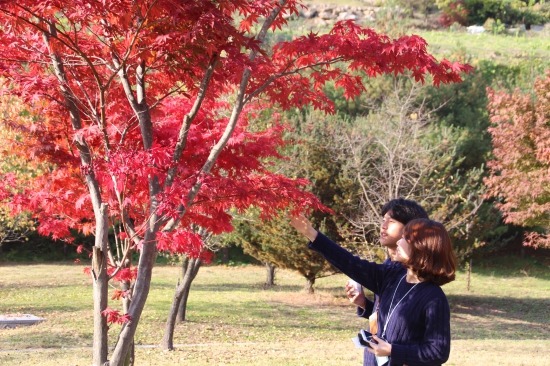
column 390, row 231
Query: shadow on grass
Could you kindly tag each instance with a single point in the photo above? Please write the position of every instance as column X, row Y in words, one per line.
column 230, row 287
column 45, row 286
column 488, row 317
column 472, row 317
column 40, row 310
column 515, row 266
column 37, row 337
column 268, row 316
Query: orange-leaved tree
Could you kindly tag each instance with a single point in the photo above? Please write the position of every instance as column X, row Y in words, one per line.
column 519, row 172
column 141, row 116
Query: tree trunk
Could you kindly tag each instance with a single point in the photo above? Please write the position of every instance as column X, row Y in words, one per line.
column 225, row 255
column 469, row 276
column 190, row 268
column 270, row 279
column 131, row 356
column 100, row 288
column 141, row 291
column 182, row 306
column 309, row 285
column 126, row 301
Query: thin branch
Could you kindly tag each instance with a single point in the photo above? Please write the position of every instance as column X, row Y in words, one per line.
column 189, row 118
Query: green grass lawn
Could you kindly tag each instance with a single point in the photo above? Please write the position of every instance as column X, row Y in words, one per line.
column 508, row 50
column 503, row 320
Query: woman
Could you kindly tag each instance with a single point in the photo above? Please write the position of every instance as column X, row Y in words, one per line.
column 413, row 314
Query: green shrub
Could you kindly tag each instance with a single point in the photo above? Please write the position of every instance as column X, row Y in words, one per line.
column 508, row 12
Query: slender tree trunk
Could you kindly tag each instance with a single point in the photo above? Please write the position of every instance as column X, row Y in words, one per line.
column 182, row 306
column 140, row 293
column 126, row 301
column 469, row 279
column 270, row 278
column 131, row 356
column 224, row 254
column 100, row 288
column 167, row 342
column 309, row 285
column 190, row 268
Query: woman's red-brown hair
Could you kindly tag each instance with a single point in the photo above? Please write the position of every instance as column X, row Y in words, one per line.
column 432, row 258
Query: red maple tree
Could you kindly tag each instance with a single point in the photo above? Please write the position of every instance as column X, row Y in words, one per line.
column 140, row 120
column 519, row 176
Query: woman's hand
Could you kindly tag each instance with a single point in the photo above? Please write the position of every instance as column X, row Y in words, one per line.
column 303, row 226
column 382, row 348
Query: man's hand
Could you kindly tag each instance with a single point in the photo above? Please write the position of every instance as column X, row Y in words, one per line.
column 356, row 297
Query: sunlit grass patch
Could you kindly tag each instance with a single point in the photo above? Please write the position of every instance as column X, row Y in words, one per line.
column 233, row 320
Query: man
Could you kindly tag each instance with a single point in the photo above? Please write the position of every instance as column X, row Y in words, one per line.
column 396, row 214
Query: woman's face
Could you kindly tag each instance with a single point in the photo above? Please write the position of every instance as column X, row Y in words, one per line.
column 403, row 251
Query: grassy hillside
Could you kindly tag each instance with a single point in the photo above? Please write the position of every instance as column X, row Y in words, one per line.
column 510, row 49
column 499, row 48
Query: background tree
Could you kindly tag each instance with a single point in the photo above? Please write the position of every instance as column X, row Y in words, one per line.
column 272, row 242
column 402, row 147
column 142, row 113
column 190, row 265
column 309, row 155
column 399, row 150
column 519, row 170
column 464, row 111
column 505, row 12
column 243, row 237
column 13, row 228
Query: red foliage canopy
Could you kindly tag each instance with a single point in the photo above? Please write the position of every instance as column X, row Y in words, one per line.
column 129, row 94
column 521, row 165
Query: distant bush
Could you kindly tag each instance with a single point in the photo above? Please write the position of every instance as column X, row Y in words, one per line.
column 452, row 12
column 508, row 12
column 37, row 249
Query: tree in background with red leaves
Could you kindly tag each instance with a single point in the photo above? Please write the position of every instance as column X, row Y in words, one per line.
column 519, row 173
column 140, row 117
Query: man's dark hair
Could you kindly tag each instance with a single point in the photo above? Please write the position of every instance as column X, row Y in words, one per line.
column 404, row 210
